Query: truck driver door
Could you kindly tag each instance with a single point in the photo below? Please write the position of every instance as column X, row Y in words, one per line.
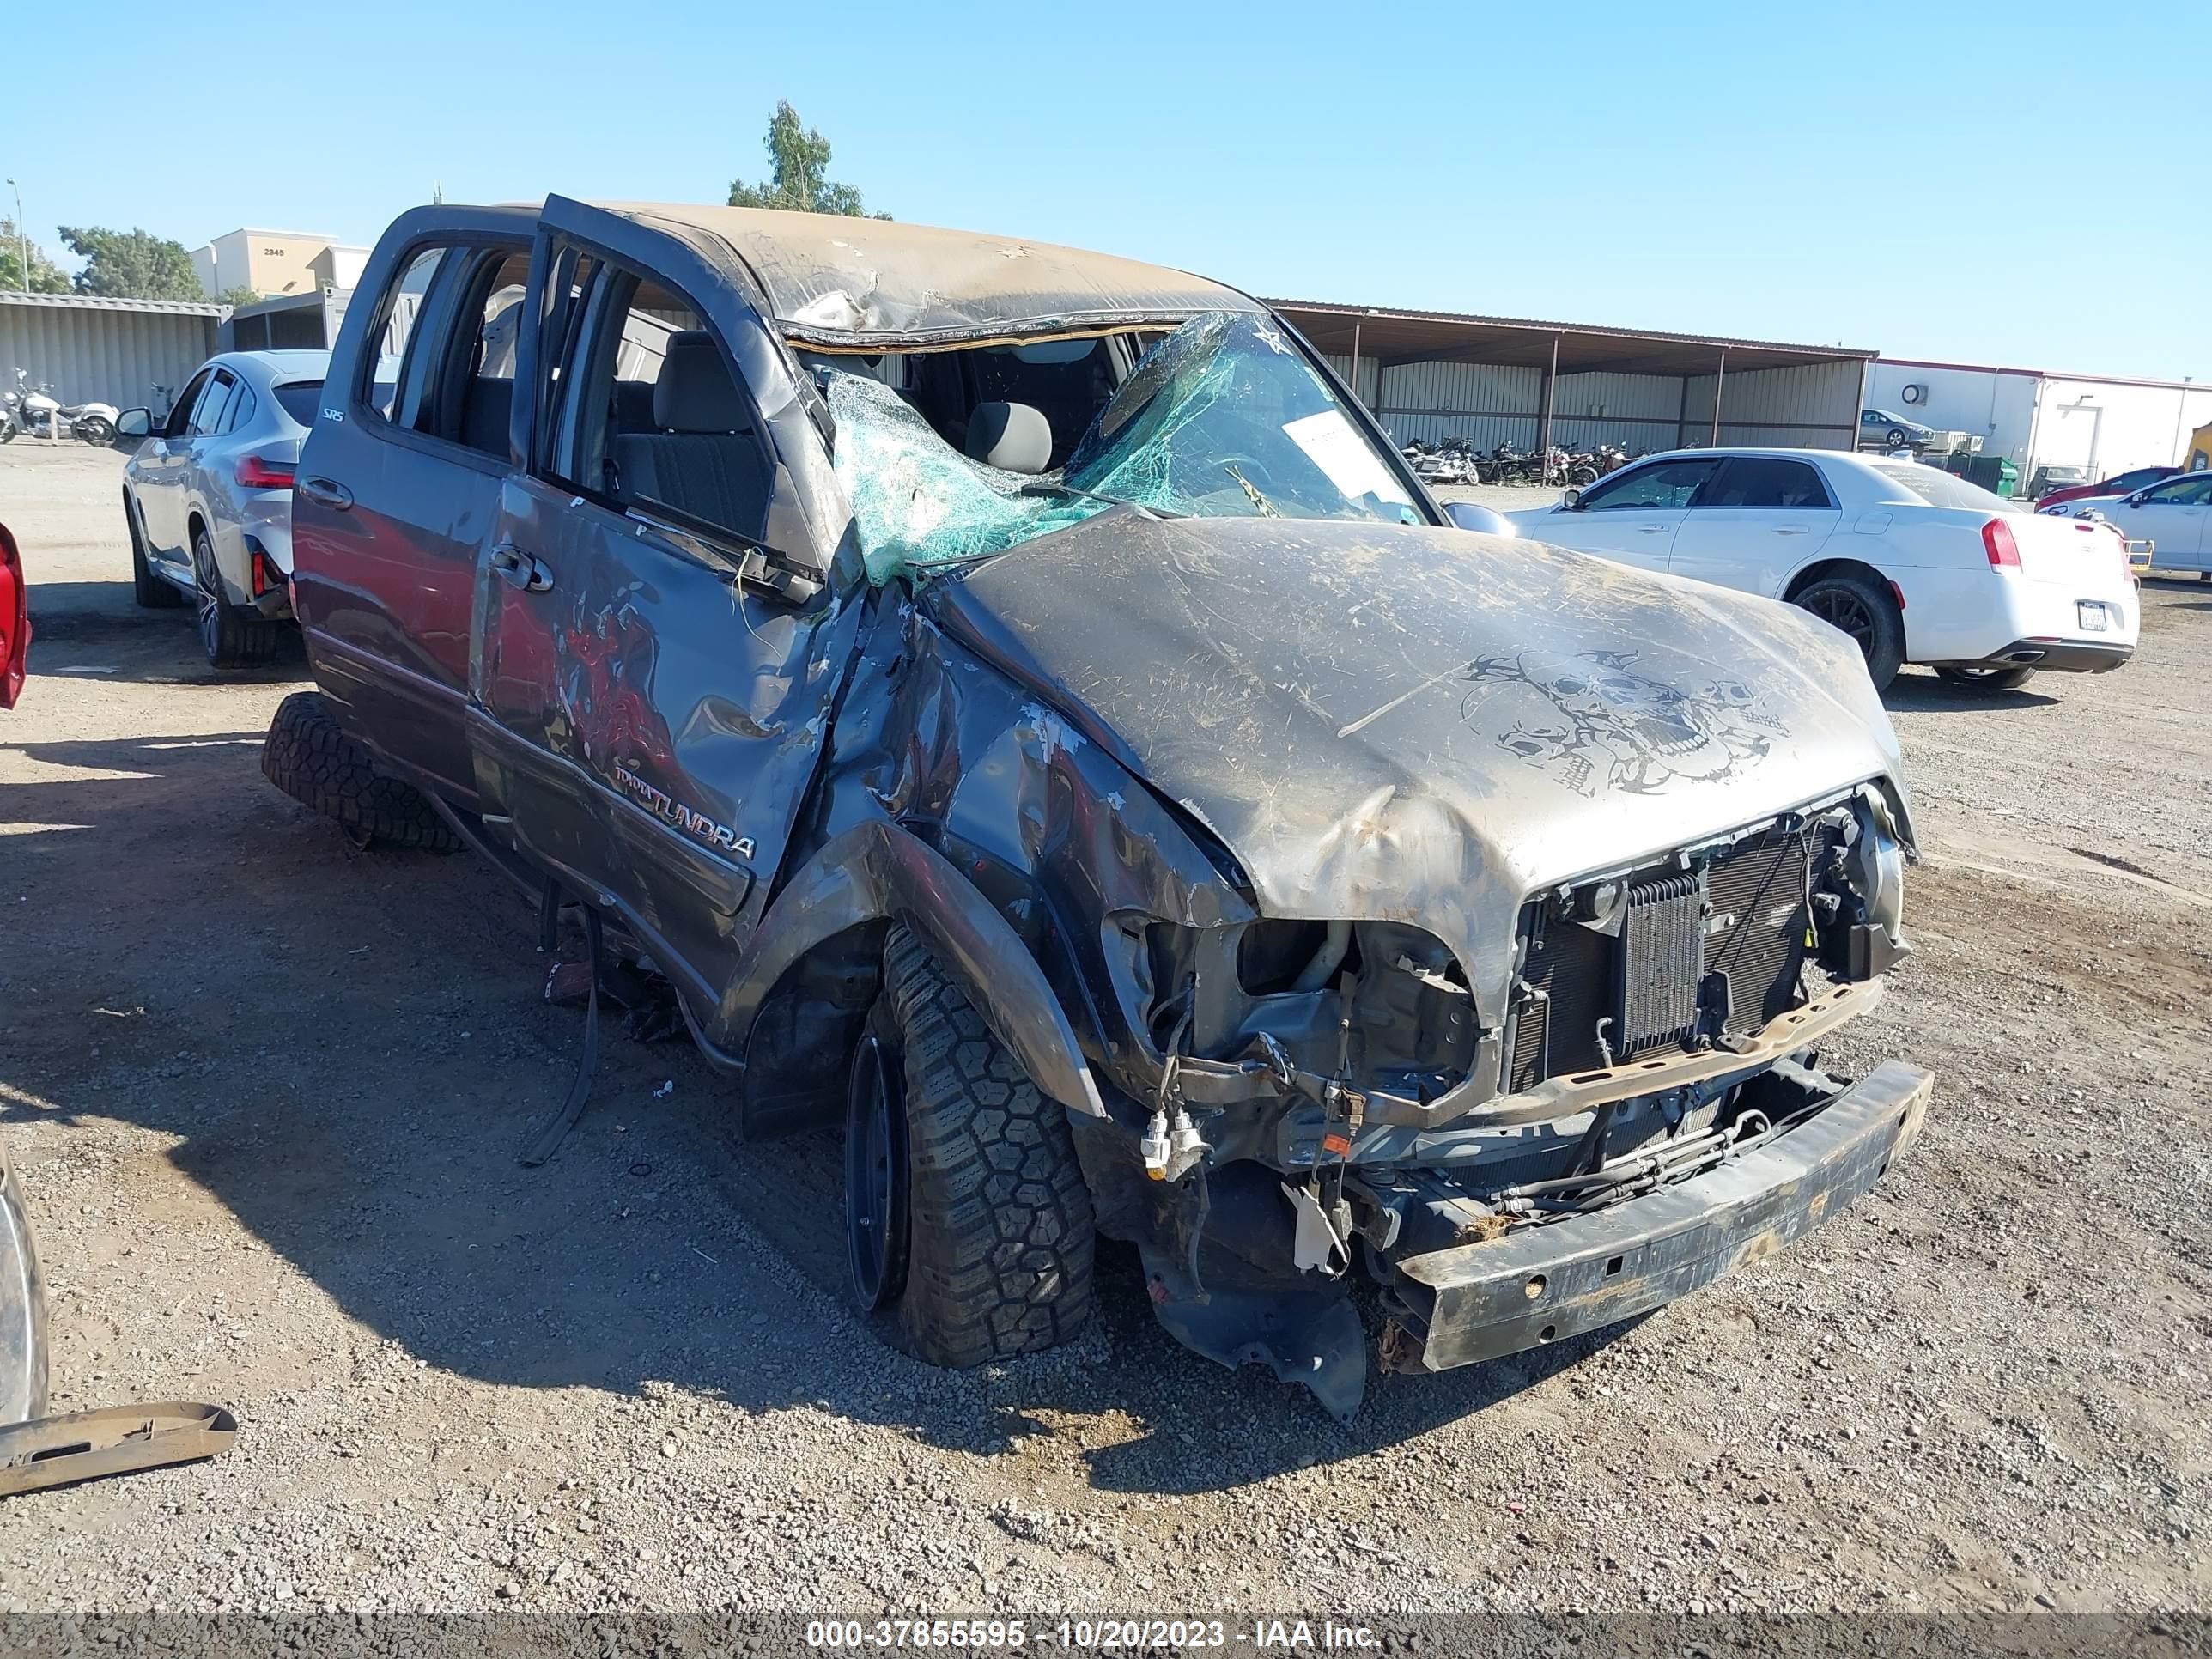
column 651, row 687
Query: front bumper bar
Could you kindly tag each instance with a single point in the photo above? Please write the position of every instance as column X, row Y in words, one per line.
column 1539, row 1285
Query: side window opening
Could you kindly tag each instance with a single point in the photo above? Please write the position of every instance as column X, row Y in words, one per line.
column 1665, row 484
column 207, row 414
column 475, row 392
column 1760, row 481
column 446, row 359
column 655, row 414
column 181, row 414
column 403, row 305
column 242, row 408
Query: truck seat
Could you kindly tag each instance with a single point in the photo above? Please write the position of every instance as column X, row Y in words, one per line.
column 702, row 458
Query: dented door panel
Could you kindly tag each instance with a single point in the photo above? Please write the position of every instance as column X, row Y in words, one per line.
column 661, row 762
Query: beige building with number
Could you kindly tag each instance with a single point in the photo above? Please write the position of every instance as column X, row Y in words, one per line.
column 276, row 263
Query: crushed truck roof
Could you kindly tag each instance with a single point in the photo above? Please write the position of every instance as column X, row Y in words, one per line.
column 854, row 284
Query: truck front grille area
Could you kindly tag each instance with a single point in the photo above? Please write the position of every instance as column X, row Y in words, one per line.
column 1669, row 959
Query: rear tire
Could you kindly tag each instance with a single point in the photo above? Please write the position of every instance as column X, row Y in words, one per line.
column 1988, row 679
column 1857, row 607
column 95, row 429
column 1895, row 439
column 999, row 1232
column 309, row 755
column 232, row 636
column 152, row 591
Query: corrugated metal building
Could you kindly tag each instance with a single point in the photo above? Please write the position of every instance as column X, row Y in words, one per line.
column 113, row 351
column 1432, row 375
column 2036, row 419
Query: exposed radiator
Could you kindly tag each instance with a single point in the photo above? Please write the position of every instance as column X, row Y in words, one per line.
column 1741, row 914
column 1758, row 939
column 1662, row 957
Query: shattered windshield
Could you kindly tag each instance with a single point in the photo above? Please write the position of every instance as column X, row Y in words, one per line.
column 1223, row 417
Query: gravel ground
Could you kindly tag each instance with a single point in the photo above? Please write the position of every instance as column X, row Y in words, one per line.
column 265, row 1097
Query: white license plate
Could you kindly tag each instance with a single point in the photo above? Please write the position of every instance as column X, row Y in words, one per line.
column 2092, row 616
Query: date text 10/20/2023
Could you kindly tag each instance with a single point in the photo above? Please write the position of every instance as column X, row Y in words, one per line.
column 1091, row 1635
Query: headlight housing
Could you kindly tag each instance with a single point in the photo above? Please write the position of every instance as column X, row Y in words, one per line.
column 1862, row 908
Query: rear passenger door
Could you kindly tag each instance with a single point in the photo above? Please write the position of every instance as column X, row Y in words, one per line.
column 1756, row 519
column 399, row 483
column 650, row 709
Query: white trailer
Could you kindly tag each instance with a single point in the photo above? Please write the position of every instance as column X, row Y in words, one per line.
column 2036, row 419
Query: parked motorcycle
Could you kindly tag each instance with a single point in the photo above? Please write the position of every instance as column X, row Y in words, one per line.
column 1454, row 461
column 31, row 410
column 1508, row 463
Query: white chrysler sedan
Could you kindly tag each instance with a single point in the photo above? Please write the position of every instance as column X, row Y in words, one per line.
column 1916, row 565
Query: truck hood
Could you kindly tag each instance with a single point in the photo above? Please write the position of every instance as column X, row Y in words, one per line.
column 1422, row 725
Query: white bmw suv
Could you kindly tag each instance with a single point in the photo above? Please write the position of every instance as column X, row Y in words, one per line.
column 1916, row 565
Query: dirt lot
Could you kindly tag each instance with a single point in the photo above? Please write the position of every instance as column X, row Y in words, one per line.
column 266, row 1097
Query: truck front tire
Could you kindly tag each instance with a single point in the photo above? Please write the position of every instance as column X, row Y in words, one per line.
column 999, row 1231
column 308, row 755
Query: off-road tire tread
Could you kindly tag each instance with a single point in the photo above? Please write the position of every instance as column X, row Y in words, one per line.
column 1001, row 1234
column 308, row 755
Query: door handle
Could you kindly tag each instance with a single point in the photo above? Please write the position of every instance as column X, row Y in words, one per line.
column 519, row 570
column 1655, row 529
column 1793, row 530
column 326, row 492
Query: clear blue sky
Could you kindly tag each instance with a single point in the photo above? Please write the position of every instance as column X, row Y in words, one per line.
column 2019, row 183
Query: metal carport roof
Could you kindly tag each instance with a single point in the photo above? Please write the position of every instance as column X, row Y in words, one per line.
column 1389, row 336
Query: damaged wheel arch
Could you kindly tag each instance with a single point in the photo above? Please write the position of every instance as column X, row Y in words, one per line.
column 879, row 873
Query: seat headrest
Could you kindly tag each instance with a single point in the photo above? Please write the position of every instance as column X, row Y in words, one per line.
column 695, row 392
column 1013, row 437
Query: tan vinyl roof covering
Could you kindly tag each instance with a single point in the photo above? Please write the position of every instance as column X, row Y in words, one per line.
column 838, row 280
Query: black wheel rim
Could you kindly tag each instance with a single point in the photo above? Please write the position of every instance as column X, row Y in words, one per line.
column 206, row 597
column 1841, row 608
column 875, row 1175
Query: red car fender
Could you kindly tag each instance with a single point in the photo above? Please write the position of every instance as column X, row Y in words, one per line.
column 15, row 621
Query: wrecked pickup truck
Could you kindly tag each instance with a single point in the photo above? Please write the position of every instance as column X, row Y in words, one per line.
column 1027, row 715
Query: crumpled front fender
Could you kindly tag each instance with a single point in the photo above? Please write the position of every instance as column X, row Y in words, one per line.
column 876, row 871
